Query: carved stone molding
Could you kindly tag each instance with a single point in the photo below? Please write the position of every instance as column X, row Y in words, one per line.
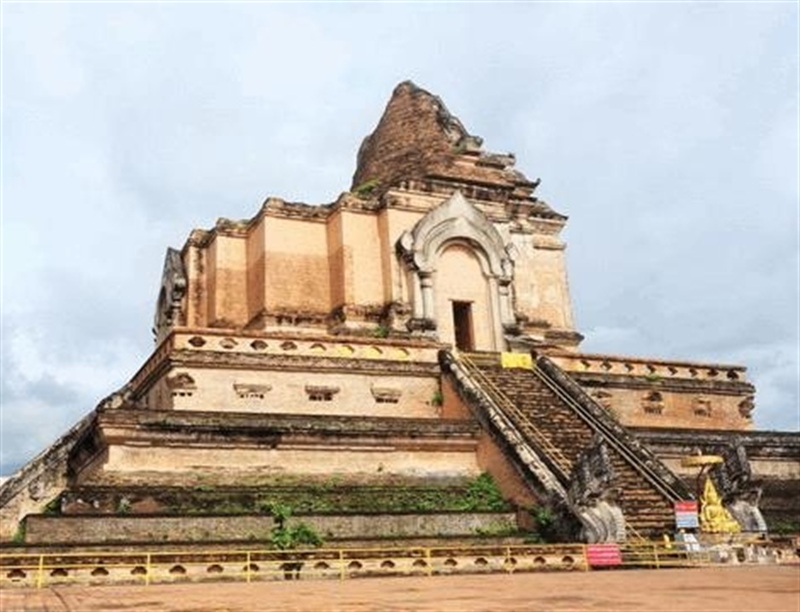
column 181, row 381
column 251, row 390
column 386, row 395
column 181, row 385
column 594, row 496
column 733, row 478
column 321, row 393
column 169, row 309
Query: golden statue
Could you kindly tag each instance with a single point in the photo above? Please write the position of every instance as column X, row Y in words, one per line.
column 714, row 518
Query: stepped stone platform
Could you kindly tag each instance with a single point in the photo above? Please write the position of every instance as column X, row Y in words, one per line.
column 124, row 441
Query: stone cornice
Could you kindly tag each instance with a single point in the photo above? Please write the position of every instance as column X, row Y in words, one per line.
column 622, row 359
column 271, row 429
column 299, row 363
column 621, row 381
column 758, row 443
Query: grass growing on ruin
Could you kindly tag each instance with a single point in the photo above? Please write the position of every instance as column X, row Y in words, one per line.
column 19, row 534
column 367, row 188
column 544, row 526
column 478, row 495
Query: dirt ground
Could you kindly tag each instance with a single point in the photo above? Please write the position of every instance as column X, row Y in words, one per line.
column 752, row 589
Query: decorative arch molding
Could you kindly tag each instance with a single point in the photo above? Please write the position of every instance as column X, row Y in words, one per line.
column 456, row 221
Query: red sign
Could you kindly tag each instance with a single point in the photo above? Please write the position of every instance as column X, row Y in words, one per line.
column 603, row 555
column 686, row 515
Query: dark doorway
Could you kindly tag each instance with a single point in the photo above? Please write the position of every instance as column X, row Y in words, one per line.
column 462, row 322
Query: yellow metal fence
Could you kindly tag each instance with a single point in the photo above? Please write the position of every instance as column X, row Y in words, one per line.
column 41, row 570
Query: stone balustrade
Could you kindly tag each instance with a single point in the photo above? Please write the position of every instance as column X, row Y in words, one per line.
column 351, row 347
column 651, row 369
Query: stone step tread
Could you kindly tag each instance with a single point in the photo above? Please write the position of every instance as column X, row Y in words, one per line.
column 645, row 507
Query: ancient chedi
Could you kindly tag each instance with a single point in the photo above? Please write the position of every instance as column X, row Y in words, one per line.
column 416, row 332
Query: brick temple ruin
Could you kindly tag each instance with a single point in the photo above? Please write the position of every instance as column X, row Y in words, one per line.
column 408, row 337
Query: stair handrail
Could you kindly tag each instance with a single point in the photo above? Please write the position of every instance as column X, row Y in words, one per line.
column 566, row 392
column 493, row 416
column 490, row 388
column 501, row 401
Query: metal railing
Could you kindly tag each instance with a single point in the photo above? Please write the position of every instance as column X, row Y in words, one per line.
column 151, row 567
column 611, row 438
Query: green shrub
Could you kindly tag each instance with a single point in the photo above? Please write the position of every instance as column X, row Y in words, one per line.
column 19, row 534
column 367, row 188
column 380, row 332
column 123, row 505
column 53, row 507
column 544, row 529
column 287, row 537
column 483, row 494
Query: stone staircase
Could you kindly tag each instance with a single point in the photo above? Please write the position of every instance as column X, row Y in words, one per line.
column 561, row 423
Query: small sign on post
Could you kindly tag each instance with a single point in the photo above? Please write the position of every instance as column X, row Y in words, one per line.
column 686, row 515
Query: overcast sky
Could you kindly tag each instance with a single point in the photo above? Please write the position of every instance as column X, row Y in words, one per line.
column 667, row 132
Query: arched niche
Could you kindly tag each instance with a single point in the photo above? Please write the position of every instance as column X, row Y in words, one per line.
column 457, row 223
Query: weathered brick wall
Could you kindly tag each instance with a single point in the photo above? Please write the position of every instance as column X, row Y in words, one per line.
column 408, row 142
column 256, row 269
column 697, row 409
column 297, row 266
column 75, row 529
column 41, row 480
column 490, row 456
column 317, row 458
column 229, row 298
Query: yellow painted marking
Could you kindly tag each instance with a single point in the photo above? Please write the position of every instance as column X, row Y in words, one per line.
column 516, row 360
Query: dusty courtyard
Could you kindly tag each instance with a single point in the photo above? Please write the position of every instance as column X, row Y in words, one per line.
column 762, row 589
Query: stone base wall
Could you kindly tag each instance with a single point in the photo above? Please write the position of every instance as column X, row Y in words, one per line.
column 195, row 444
column 490, row 457
column 318, row 459
column 312, row 392
column 114, row 529
column 43, row 478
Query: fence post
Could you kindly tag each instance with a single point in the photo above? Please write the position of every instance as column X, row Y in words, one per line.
column 341, row 565
column 655, row 555
column 247, row 566
column 147, row 570
column 40, row 573
column 586, row 566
